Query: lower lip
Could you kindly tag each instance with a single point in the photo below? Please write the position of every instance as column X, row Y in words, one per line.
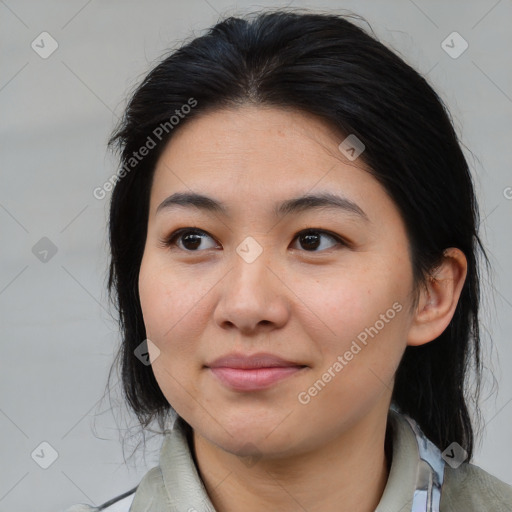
column 255, row 378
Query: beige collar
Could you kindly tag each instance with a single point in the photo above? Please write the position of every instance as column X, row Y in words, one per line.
column 175, row 485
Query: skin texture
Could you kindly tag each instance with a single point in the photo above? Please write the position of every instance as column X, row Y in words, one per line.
column 265, row 450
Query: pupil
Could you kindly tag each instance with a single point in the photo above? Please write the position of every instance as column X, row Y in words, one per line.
column 193, row 239
column 310, row 241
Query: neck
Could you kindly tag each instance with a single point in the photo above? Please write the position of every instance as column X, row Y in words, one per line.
column 345, row 474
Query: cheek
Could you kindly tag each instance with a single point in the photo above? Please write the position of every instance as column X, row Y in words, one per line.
column 166, row 298
column 357, row 365
column 350, row 303
column 363, row 317
column 175, row 310
column 170, row 308
column 154, row 299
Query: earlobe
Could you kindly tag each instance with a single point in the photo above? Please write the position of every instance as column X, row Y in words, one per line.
column 438, row 298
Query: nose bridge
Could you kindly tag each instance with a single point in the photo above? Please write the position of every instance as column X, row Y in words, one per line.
column 250, row 266
column 252, row 293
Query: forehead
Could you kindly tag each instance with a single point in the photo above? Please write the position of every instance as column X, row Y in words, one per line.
column 253, row 156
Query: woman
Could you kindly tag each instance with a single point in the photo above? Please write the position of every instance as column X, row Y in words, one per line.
column 294, row 244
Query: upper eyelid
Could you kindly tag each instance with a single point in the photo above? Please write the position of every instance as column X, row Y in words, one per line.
column 176, row 234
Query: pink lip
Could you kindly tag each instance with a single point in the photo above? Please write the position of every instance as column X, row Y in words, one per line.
column 252, row 373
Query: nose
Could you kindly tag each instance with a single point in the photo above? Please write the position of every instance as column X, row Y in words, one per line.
column 254, row 297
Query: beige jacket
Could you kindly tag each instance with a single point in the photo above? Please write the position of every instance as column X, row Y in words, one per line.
column 175, row 485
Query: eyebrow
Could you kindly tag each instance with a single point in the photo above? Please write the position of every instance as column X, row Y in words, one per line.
column 326, row 200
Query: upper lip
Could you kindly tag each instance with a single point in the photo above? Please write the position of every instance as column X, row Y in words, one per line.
column 243, row 361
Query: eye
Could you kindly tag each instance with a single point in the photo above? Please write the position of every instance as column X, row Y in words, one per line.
column 311, row 239
column 190, row 239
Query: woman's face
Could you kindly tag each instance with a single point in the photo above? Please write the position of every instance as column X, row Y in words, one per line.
column 325, row 313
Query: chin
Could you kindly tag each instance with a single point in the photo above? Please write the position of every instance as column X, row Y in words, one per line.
column 248, row 435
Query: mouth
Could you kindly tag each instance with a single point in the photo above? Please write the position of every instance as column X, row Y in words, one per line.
column 252, row 373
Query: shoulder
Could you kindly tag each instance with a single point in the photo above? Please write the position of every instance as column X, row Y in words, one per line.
column 469, row 488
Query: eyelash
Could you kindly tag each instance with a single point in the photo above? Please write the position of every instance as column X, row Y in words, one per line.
column 170, row 241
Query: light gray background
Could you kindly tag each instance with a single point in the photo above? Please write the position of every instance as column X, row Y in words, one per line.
column 58, row 338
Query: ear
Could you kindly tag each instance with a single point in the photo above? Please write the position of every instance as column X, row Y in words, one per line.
column 438, row 298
